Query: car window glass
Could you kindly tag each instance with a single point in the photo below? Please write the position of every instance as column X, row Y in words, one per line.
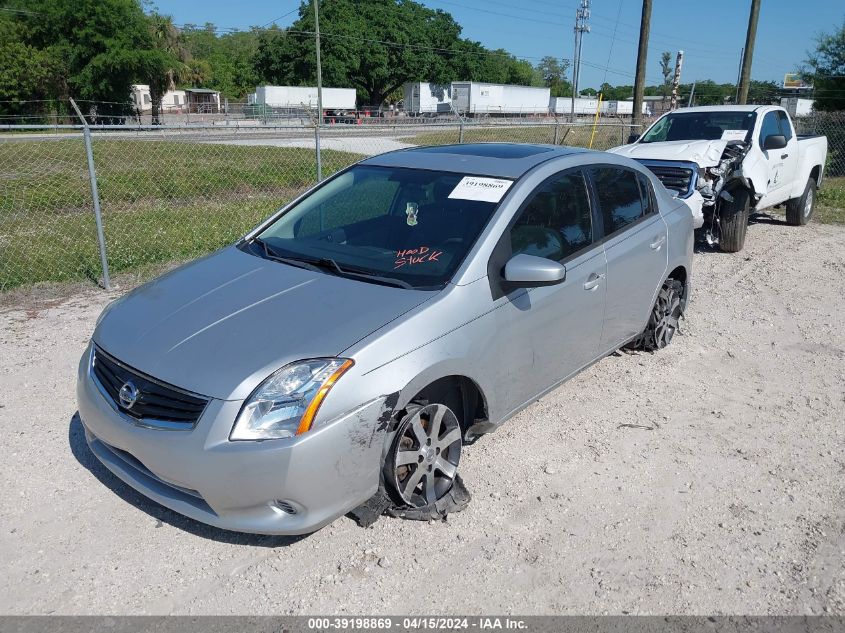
column 785, row 126
column 618, row 196
column 646, row 194
column 769, row 126
column 556, row 222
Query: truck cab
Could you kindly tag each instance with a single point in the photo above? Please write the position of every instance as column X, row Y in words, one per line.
column 725, row 161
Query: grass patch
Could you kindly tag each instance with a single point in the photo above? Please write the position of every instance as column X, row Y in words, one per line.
column 575, row 136
column 831, row 203
column 161, row 201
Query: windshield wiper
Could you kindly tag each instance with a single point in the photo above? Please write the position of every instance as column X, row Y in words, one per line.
column 327, row 262
column 270, row 253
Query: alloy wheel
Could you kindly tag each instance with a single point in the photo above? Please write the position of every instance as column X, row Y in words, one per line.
column 668, row 311
column 426, row 455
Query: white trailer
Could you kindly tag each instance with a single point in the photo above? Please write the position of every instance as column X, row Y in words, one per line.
column 796, row 106
column 305, row 97
column 620, row 108
column 563, row 105
column 470, row 97
column 422, row 97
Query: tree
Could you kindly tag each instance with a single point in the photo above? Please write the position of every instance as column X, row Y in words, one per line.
column 229, row 58
column 376, row 46
column 373, row 45
column 92, row 50
column 169, row 63
column 827, row 70
column 553, row 74
column 28, row 75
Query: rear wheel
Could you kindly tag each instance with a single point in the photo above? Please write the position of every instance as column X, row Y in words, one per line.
column 733, row 221
column 663, row 323
column 800, row 210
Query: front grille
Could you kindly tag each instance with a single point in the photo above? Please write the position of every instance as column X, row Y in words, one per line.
column 157, row 404
column 678, row 179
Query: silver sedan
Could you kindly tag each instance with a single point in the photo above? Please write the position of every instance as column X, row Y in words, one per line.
column 347, row 348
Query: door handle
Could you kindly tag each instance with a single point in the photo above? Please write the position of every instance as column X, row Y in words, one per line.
column 593, row 281
column 656, row 244
column 782, row 156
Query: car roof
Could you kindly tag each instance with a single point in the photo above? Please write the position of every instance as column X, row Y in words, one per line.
column 499, row 160
column 724, row 108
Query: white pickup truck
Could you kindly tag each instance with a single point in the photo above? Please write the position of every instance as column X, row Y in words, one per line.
column 725, row 161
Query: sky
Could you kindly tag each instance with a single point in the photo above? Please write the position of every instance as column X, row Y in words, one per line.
column 711, row 33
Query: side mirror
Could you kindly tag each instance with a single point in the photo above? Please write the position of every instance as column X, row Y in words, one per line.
column 633, row 138
column 529, row 271
column 774, row 141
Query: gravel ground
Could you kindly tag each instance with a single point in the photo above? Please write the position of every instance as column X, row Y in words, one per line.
column 706, row 478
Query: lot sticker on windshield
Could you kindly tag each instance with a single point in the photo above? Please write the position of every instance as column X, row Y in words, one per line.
column 481, row 189
column 413, row 256
column 734, row 135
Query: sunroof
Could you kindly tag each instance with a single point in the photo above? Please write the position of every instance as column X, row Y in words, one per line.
column 491, row 150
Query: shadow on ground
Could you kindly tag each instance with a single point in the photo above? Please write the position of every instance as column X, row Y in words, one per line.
column 83, row 454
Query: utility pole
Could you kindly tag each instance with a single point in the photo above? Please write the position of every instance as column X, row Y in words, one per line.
column 748, row 54
column 691, row 95
column 676, row 82
column 739, row 74
column 319, row 92
column 642, row 54
column 582, row 14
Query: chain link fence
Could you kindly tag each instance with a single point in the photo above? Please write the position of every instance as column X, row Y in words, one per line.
column 172, row 193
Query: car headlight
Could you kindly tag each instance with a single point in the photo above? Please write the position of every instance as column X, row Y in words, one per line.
column 286, row 403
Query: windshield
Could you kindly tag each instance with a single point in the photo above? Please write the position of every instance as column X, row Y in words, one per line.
column 410, row 226
column 701, row 126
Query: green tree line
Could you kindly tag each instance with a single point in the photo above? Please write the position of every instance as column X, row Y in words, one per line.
column 94, row 50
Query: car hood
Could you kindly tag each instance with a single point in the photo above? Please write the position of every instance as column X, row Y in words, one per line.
column 704, row 153
column 220, row 325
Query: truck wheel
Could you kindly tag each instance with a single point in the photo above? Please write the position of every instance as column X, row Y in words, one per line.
column 663, row 323
column 800, row 210
column 733, row 221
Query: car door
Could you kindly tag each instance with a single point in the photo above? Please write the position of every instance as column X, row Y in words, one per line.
column 549, row 333
column 634, row 235
column 780, row 163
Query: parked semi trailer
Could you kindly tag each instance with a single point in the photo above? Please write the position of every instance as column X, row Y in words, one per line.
column 422, row 97
column 338, row 99
column 469, row 97
column 563, row 105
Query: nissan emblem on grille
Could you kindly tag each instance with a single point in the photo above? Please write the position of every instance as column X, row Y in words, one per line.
column 128, row 394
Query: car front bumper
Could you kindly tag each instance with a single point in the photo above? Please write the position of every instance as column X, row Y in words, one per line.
column 289, row 486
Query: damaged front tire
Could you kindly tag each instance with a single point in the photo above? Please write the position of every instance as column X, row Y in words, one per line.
column 420, row 478
column 422, row 466
column 733, row 220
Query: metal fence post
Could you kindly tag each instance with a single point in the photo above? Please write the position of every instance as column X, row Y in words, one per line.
column 557, row 133
column 461, row 132
column 317, row 149
column 95, row 195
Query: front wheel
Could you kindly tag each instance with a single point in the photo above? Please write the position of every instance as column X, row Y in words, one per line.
column 800, row 210
column 423, row 463
column 733, row 221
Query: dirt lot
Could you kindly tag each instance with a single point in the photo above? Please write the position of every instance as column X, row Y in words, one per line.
column 707, row 478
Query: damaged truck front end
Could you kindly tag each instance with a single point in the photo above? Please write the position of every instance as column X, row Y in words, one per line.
column 708, row 186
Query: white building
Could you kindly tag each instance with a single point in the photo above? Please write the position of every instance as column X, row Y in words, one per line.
column 194, row 100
